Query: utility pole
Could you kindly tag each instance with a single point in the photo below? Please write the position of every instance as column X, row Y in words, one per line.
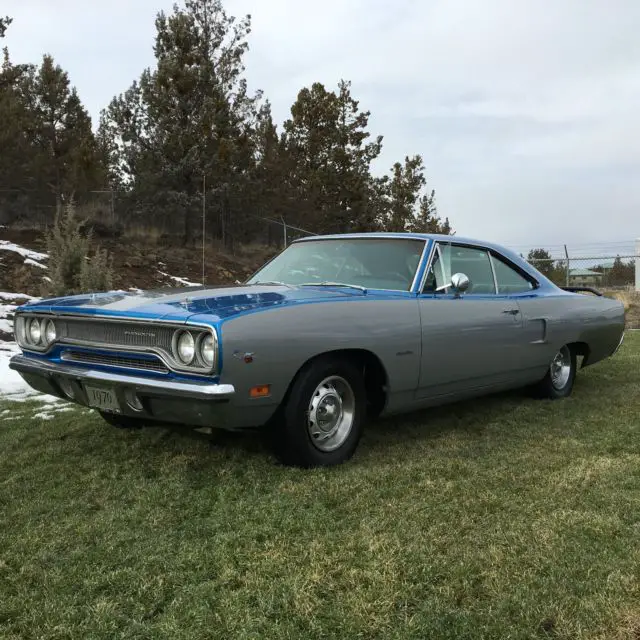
column 204, row 215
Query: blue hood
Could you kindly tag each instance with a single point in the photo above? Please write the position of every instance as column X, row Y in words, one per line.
column 178, row 305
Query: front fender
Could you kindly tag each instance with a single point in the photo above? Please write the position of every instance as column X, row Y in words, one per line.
column 279, row 341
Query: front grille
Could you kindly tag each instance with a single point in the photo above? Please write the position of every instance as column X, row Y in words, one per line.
column 124, row 362
column 122, row 334
column 129, row 336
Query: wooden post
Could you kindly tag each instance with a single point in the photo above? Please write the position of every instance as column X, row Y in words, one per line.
column 637, row 264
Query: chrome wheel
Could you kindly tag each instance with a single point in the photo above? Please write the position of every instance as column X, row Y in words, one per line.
column 331, row 413
column 561, row 368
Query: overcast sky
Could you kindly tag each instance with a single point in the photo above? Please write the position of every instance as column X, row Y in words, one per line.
column 526, row 113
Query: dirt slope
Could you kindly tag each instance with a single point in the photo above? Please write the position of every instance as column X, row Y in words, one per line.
column 136, row 263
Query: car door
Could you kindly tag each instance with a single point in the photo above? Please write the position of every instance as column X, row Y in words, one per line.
column 470, row 341
column 535, row 312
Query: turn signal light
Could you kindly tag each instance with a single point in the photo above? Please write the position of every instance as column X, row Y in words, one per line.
column 261, row 391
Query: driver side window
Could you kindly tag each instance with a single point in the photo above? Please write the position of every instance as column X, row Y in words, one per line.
column 435, row 281
column 449, row 259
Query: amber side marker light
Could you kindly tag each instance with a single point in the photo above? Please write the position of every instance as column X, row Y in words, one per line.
column 261, row 391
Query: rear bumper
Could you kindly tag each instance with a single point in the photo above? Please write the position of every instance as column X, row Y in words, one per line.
column 201, row 404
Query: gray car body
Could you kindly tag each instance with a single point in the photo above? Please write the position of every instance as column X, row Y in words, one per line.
column 430, row 348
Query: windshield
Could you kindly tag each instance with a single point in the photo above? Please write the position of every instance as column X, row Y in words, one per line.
column 370, row 263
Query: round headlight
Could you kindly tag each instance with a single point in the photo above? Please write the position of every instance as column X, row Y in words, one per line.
column 35, row 331
column 50, row 332
column 207, row 350
column 186, row 347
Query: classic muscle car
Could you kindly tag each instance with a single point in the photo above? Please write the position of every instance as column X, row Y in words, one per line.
column 334, row 330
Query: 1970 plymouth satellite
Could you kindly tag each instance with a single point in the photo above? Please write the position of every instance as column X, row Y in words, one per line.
column 332, row 330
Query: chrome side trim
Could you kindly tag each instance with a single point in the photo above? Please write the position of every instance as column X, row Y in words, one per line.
column 493, row 273
column 161, row 387
column 434, row 248
column 420, row 262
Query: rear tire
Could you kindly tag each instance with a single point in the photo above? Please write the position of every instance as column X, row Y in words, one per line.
column 558, row 383
column 121, row 422
column 321, row 420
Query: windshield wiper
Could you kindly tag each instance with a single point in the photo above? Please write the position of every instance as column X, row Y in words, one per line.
column 327, row 283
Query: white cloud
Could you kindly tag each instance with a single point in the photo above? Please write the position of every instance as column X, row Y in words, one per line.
column 525, row 112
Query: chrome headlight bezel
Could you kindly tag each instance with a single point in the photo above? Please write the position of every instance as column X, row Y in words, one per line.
column 20, row 329
column 184, row 342
column 34, row 332
column 203, row 340
column 50, row 332
column 207, row 349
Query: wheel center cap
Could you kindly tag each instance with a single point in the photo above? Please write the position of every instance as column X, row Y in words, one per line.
column 328, row 411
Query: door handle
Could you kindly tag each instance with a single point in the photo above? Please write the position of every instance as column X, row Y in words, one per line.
column 513, row 312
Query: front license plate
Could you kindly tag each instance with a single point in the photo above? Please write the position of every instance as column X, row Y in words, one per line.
column 104, row 399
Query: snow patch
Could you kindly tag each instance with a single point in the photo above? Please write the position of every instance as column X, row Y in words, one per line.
column 12, row 386
column 6, row 325
column 44, row 415
column 183, row 281
column 4, row 295
column 5, row 245
column 35, row 264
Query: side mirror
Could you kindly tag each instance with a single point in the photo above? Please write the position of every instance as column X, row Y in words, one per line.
column 459, row 283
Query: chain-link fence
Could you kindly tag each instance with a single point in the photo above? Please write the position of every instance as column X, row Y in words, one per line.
column 610, row 272
column 615, row 275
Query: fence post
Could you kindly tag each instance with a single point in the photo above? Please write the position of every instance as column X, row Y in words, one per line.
column 284, row 229
column 566, row 253
column 637, row 264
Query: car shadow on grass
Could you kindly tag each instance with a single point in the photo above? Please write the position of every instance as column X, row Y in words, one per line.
column 469, row 416
column 509, row 414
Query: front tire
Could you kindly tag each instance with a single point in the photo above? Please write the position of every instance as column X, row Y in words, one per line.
column 558, row 383
column 323, row 415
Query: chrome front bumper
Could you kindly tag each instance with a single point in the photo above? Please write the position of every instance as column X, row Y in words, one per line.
column 189, row 403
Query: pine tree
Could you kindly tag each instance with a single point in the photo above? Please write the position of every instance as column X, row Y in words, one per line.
column 59, row 128
column 404, row 186
column 326, row 140
column 427, row 220
column 542, row 261
column 4, row 24
column 189, row 120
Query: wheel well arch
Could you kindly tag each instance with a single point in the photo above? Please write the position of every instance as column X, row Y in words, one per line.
column 581, row 349
column 374, row 373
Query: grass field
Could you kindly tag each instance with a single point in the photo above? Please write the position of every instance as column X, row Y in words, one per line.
column 504, row 517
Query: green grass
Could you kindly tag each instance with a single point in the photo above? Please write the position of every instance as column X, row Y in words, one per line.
column 504, row 517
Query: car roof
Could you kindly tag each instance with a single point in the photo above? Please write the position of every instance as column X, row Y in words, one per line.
column 508, row 253
column 408, row 236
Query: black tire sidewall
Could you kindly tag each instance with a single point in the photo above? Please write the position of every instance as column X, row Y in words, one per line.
column 293, row 443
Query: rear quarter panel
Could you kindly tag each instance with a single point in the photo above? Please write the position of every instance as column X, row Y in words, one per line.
column 553, row 320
